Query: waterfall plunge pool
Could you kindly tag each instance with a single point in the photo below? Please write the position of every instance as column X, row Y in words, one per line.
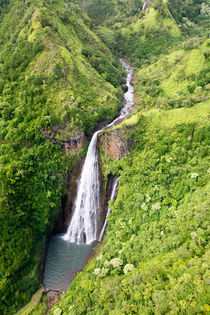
column 63, row 260
column 66, row 255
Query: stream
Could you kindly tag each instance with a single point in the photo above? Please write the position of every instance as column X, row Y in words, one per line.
column 68, row 253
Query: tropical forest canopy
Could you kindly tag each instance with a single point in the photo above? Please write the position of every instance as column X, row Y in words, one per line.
column 60, row 76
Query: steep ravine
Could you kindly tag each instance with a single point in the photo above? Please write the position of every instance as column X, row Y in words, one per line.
column 72, row 257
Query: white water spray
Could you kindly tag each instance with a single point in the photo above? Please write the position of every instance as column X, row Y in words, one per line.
column 144, row 6
column 113, row 196
column 83, row 228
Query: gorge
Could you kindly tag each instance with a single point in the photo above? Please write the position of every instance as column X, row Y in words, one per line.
column 67, row 253
column 106, row 204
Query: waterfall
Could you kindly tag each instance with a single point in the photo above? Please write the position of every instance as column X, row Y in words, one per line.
column 144, row 6
column 83, row 228
column 113, row 196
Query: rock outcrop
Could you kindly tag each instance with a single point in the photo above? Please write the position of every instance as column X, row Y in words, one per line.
column 116, row 142
column 68, row 143
column 71, row 183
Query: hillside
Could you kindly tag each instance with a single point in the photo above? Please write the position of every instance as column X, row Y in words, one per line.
column 110, row 11
column 179, row 79
column 142, row 36
column 55, row 85
column 154, row 257
column 59, row 77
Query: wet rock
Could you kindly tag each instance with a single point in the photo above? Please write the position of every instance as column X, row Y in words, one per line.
column 116, row 143
column 67, row 202
column 67, row 142
column 74, row 143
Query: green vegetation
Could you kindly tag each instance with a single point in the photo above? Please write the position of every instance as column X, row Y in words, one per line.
column 180, row 79
column 189, row 9
column 136, row 35
column 197, row 114
column 50, row 91
column 143, row 36
column 37, row 304
column 110, row 11
column 4, row 8
column 59, row 78
column 149, row 34
column 154, row 256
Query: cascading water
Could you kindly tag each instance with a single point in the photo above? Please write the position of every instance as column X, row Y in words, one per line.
column 144, row 6
column 83, row 228
column 68, row 253
column 113, row 196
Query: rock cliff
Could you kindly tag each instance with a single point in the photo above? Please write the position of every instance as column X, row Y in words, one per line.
column 116, row 142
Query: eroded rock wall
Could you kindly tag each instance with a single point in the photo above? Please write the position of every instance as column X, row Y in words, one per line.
column 116, row 142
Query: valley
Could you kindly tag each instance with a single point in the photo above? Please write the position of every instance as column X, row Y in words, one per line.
column 61, row 81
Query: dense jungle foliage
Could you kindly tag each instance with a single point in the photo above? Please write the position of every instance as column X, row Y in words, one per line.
column 110, row 11
column 57, row 80
column 59, row 77
column 143, row 36
column 179, row 79
column 154, row 258
column 155, row 255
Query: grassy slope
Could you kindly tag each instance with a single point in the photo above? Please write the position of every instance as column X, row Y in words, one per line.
column 60, row 61
column 178, row 79
column 109, row 11
column 47, row 86
column 55, row 57
column 158, row 226
column 147, row 35
column 158, row 223
column 4, row 7
column 137, row 35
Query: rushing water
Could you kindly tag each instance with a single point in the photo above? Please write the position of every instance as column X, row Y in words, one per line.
column 83, row 228
column 113, row 196
column 83, row 225
column 144, row 6
column 67, row 253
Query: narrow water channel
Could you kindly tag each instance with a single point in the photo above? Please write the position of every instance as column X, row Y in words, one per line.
column 67, row 253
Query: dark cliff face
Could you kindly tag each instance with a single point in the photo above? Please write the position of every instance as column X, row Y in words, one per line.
column 74, row 143
column 116, row 143
column 69, row 144
column 68, row 199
